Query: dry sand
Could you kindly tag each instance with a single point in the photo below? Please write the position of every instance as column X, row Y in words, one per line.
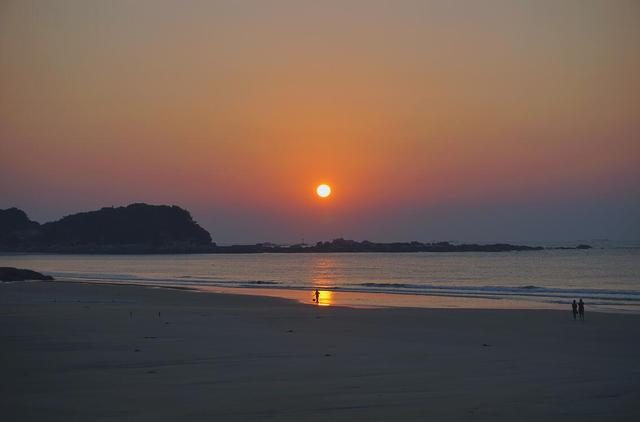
column 97, row 352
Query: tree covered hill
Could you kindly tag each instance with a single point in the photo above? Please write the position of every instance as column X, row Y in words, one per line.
column 136, row 228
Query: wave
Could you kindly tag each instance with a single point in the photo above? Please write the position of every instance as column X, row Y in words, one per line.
column 527, row 292
column 536, row 293
column 259, row 282
column 498, row 289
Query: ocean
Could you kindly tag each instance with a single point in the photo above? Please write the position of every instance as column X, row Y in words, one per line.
column 606, row 278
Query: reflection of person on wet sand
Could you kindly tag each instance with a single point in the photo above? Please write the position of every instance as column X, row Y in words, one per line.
column 317, row 293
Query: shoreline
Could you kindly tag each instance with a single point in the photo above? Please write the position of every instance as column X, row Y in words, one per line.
column 372, row 300
column 78, row 351
column 334, row 246
column 604, row 280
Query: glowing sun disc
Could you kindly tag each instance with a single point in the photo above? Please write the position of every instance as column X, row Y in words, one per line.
column 323, row 190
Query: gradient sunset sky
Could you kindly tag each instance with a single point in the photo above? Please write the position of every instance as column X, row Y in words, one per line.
column 431, row 120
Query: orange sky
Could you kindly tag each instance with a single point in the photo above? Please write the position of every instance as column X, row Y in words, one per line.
column 413, row 111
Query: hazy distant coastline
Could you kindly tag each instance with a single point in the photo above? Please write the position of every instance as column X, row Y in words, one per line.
column 160, row 229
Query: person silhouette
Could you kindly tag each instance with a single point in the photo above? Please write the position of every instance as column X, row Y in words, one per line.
column 574, row 308
column 581, row 309
column 317, row 293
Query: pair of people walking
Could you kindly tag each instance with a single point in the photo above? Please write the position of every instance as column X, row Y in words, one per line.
column 578, row 309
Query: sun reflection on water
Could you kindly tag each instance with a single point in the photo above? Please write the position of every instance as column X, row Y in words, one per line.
column 321, row 276
column 325, row 298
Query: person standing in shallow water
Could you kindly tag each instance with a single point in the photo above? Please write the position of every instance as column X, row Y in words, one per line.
column 581, row 309
column 317, row 293
column 574, row 308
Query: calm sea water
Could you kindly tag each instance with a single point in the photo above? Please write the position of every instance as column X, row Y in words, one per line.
column 607, row 278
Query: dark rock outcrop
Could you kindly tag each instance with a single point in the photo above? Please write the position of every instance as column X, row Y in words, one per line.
column 568, row 248
column 19, row 274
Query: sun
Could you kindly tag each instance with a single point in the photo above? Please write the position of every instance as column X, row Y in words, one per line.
column 323, row 190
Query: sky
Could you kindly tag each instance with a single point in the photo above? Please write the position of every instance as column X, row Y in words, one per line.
column 431, row 120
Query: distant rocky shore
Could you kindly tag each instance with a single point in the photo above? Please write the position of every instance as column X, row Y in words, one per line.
column 344, row 245
column 163, row 229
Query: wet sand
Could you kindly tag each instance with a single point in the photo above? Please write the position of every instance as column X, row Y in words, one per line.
column 99, row 352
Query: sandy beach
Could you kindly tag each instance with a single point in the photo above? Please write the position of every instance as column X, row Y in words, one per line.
column 98, row 352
